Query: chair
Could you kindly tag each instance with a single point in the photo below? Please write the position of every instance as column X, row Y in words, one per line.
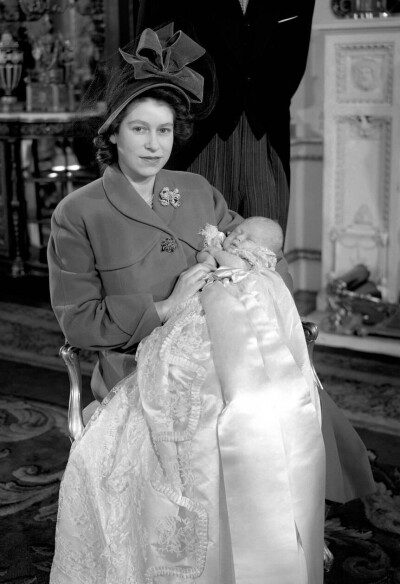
column 70, row 356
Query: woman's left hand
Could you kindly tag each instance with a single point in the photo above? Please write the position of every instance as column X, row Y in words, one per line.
column 189, row 282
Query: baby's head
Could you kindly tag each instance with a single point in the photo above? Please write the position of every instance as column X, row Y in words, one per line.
column 256, row 232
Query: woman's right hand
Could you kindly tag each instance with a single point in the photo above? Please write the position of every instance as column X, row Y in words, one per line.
column 189, row 282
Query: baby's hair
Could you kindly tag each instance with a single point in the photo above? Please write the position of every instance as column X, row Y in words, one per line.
column 272, row 238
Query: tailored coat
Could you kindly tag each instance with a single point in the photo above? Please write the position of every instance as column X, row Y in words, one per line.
column 111, row 257
column 260, row 59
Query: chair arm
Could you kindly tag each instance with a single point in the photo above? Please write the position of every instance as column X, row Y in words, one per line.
column 311, row 333
column 70, row 356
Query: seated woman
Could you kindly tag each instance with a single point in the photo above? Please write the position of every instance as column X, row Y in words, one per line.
column 206, row 464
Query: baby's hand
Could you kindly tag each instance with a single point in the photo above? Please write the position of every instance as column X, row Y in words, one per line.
column 229, row 260
column 205, row 257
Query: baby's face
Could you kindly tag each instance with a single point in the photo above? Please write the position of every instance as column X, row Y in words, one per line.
column 244, row 236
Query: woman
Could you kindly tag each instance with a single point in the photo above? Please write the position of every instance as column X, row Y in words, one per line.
column 119, row 257
column 123, row 248
column 122, row 260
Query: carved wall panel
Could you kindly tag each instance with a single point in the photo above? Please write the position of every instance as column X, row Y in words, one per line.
column 360, row 225
column 361, row 198
column 363, row 148
column 364, row 72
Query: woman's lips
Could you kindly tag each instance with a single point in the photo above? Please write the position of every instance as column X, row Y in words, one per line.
column 151, row 158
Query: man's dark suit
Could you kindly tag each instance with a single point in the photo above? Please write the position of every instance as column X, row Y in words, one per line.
column 260, row 58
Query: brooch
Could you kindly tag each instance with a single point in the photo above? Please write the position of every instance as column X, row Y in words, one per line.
column 168, row 197
column 168, row 244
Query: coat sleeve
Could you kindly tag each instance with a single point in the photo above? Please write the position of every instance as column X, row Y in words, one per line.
column 227, row 219
column 87, row 318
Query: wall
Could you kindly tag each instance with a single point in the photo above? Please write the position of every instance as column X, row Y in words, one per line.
column 304, row 237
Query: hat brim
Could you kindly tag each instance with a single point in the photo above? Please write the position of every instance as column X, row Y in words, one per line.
column 144, row 86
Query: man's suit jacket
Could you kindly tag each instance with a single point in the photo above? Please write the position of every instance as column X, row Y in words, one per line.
column 260, row 58
column 108, row 261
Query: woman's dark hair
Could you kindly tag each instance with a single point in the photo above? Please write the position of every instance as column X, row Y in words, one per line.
column 106, row 151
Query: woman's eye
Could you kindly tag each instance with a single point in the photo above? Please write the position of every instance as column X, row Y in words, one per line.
column 138, row 129
column 165, row 130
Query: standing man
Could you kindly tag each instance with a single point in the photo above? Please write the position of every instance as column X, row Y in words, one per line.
column 260, row 52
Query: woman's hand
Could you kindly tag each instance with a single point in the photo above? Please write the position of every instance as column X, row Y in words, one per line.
column 189, row 282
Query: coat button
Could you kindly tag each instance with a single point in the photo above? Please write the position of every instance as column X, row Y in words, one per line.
column 168, row 244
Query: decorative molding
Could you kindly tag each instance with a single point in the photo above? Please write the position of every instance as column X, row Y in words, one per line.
column 365, row 128
column 387, row 173
column 46, row 129
column 351, row 26
column 306, row 142
column 23, row 129
column 306, row 157
column 306, row 149
column 364, row 72
column 339, row 173
column 313, row 255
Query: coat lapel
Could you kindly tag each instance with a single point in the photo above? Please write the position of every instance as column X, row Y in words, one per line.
column 123, row 197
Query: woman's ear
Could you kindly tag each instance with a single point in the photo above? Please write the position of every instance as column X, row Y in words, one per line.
column 113, row 139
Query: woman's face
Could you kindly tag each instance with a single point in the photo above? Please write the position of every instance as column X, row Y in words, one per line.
column 144, row 138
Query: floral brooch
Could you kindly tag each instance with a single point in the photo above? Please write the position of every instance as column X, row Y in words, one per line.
column 168, row 197
column 168, row 244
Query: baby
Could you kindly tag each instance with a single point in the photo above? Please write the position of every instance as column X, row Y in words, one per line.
column 256, row 241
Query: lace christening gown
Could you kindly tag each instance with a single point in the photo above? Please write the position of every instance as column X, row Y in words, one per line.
column 206, row 465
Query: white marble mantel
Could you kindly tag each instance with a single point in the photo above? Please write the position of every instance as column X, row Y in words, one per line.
column 361, row 174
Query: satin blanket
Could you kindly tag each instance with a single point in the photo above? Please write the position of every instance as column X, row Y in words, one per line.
column 207, row 464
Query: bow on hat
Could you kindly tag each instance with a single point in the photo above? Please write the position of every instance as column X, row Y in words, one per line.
column 165, row 55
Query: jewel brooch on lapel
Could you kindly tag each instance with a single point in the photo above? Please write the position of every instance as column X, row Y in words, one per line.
column 168, row 197
column 168, row 244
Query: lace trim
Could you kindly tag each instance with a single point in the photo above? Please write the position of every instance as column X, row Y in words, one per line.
column 156, row 454
column 211, row 236
column 183, row 535
column 258, row 257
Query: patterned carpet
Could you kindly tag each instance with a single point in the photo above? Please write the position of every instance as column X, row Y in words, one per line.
column 366, row 387
column 31, row 335
column 363, row 535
